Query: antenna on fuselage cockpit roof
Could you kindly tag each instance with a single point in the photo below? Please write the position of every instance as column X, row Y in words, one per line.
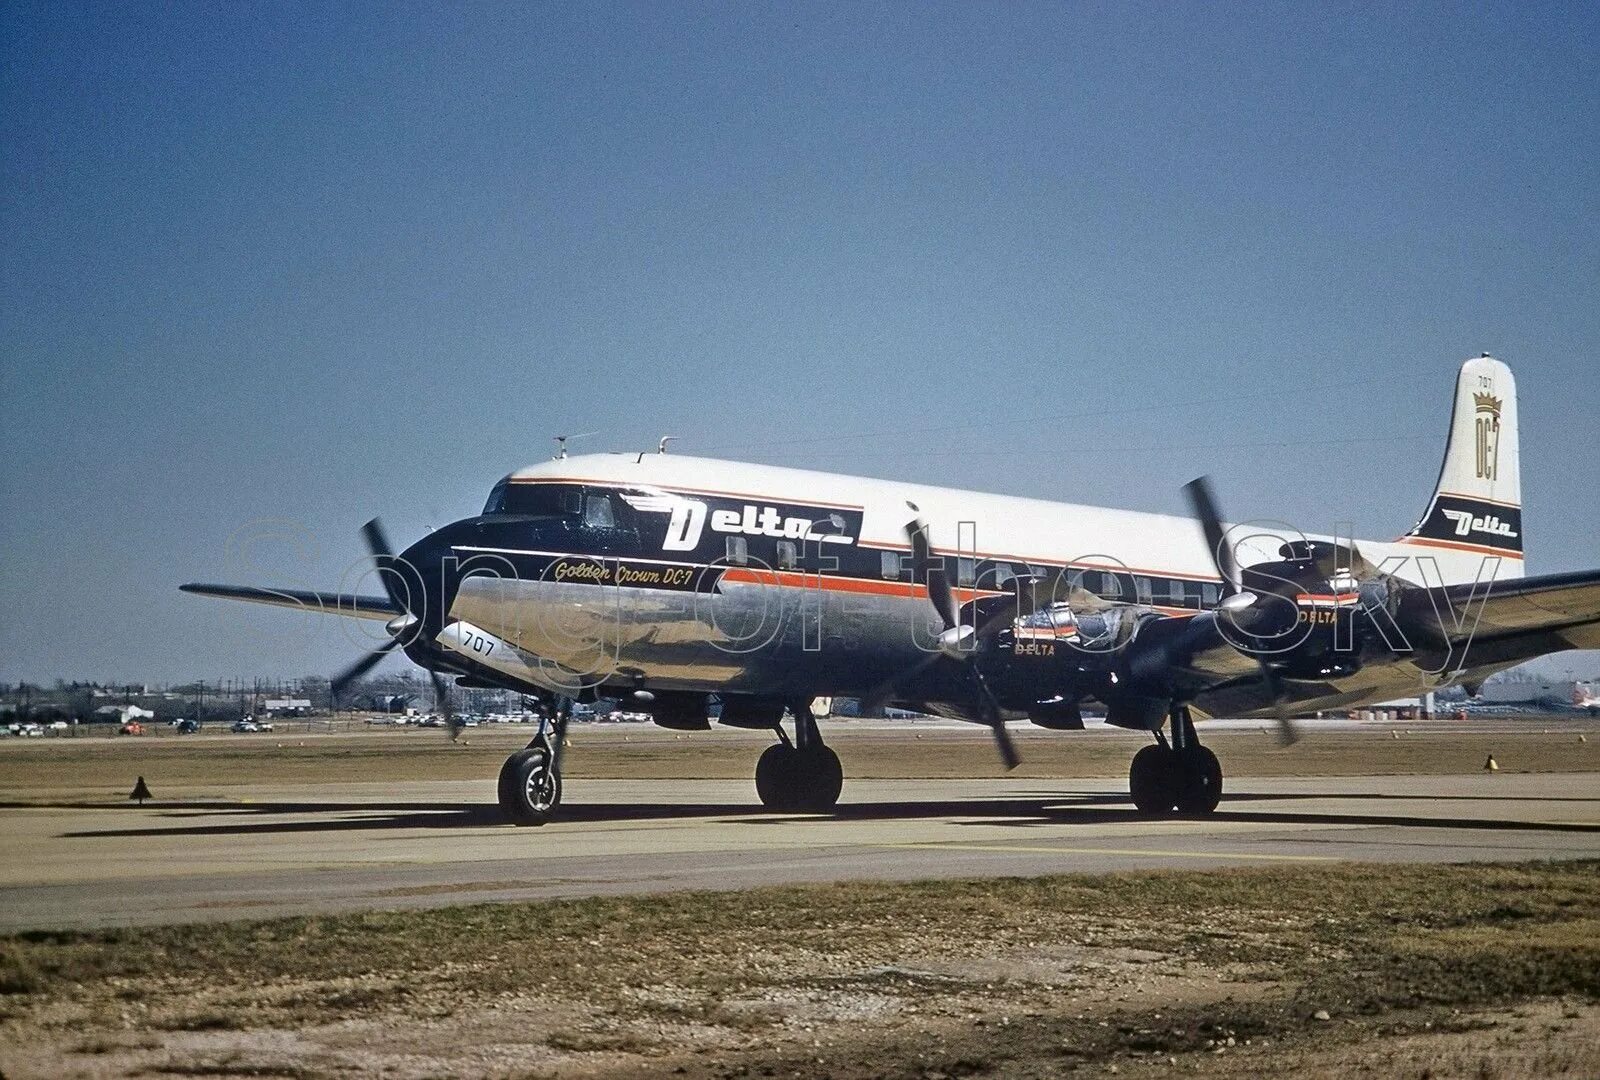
column 561, row 443
column 661, row 448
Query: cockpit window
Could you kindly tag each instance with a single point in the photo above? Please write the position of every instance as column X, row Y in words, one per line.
column 535, row 500
column 597, row 512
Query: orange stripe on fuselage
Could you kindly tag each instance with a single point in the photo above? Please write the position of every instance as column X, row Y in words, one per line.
column 1479, row 548
column 1480, row 498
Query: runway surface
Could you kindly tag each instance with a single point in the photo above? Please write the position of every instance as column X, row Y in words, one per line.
column 340, row 847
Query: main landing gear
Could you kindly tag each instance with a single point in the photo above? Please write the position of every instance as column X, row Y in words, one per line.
column 530, row 780
column 1182, row 776
column 801, row 775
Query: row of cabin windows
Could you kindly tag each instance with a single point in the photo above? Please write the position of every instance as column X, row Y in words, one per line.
column 894, row 566
column 738, row 553
column 565, row 500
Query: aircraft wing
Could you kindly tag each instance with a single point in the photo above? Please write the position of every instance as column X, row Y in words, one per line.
column 1564, row 606
column 1520, row 620
column 323, row 603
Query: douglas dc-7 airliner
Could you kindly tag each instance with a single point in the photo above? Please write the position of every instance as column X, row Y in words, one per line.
column 692, row 588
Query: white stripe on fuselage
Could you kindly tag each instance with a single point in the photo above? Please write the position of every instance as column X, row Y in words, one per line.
column 1002, row 526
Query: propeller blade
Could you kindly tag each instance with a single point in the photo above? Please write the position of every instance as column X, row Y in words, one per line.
column 937, row 582
column 377, row 542
column 383, row 558
column 1288, row 732
column 361, row 667
column 1002, row 739
column 441, row 701
column 997, row 724
column 1204, row 505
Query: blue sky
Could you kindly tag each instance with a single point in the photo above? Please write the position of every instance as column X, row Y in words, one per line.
column 296, row 264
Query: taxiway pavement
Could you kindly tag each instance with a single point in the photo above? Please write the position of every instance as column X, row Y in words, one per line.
column 343, row 847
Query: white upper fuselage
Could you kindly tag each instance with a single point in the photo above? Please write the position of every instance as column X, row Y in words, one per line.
column 960, row 522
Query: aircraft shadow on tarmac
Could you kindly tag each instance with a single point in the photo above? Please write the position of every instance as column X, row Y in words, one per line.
column 1057, row 808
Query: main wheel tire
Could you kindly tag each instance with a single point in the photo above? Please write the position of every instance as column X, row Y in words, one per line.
column 788, row 778
column 775, row 776
column 1153, row 780
column 1199, row 780
column 531, row 788
column 821, row 779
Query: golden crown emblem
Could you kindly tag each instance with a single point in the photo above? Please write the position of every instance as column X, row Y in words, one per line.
column 1487, row 403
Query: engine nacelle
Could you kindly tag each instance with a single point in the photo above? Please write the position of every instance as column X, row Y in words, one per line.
column 1057, row 715
column 1137, row 713
column 751, row 713
column 680, row 711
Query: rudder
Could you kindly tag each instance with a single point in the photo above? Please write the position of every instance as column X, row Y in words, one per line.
column 1476, row 509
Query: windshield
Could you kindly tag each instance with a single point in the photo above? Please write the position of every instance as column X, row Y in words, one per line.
column 534, row 500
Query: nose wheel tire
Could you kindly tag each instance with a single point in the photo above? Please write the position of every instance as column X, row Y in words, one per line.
column 529, row 786
column 789, row 778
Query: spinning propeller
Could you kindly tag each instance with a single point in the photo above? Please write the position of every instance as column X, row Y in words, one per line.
column 401, row 628
column 1239, row 603
column 957, row 641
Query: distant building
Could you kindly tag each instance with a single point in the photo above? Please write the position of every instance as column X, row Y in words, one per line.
column 287, row 706
column 1557, row 693
column 122, row 714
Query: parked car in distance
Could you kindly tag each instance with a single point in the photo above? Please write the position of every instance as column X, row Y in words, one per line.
column 242, row 726
column 187, row 727
column 132, row 727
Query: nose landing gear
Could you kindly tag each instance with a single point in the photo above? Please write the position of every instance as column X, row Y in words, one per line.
column 530, row 779
column 1182, row 775
column 801, row 775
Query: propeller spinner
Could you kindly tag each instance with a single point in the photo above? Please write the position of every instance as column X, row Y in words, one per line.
column 401, row 628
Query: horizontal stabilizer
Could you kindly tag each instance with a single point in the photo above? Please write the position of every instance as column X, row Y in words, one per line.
column 323, row 603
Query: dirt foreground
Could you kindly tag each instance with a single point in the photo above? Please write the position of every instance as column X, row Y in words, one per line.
column 1387, row 971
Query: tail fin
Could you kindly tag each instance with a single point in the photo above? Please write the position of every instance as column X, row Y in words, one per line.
column 1476, row 510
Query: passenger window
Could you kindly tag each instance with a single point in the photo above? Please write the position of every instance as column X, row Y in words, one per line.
column 966, row 572
column 1141, row 589
column 788, row 556
column 1208, row 595
column 1003, row 574
column 738, row 551
column 1179, row 592
column 889, row 565
column 597, row 512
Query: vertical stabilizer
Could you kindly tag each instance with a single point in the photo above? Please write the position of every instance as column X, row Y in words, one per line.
column 1476, row 510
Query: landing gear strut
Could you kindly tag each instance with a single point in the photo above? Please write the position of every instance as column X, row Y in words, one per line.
column 1182, row 775
column 801, row 775
column 530, row 779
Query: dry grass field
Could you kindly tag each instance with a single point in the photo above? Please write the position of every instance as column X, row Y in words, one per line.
column 1391, row 971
